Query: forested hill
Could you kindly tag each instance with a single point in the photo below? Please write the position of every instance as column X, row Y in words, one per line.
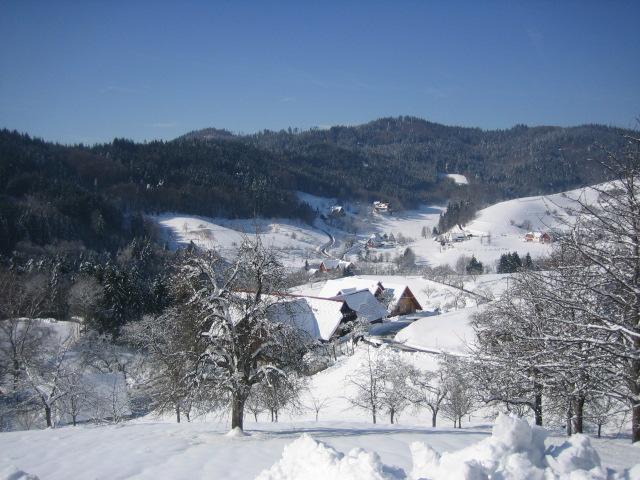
column 96, row 195
column 399, row 159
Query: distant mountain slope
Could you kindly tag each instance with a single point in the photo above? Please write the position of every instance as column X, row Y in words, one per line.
column 400, row 159
column 50, row 192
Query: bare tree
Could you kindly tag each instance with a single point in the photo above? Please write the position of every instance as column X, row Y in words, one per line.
column 318, row 403
column 427, row 389
column 44, row 377
column 172, row 344
column 368, row 383
column 459, row 400
column 394, row 371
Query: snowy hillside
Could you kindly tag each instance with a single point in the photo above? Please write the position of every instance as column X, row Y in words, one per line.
column 497, row 229
column 294, row 241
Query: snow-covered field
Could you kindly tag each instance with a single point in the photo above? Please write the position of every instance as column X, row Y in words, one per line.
column 202, row 451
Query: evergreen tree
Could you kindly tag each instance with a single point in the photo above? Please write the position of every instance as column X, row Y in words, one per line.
column 474, row 267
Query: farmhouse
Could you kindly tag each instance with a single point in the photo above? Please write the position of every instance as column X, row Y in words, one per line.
column 337, row 211
column 331, row 264
column 326, row 318
column 378, row 240
column 381, row 207
column 398, row 298
column 541, row 237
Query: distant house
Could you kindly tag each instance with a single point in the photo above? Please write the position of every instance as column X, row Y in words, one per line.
column 331, row 264
column 541, row 237
column 378, row 240
column 327, row 318
column 337, row 211
column 398, row 298
column 456, row 234
column 381, row 207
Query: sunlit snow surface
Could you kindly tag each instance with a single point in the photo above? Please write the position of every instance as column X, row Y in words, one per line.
column 203, row 451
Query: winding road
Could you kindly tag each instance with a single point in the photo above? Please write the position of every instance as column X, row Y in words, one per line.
column 323, row 248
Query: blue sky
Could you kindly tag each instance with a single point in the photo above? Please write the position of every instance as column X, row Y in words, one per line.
column 88, row 71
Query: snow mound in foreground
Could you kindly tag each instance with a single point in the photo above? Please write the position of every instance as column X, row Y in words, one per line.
column 514, row 451
column 308, row 459
column 9, row 472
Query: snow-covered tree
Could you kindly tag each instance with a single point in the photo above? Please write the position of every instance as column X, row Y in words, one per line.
column 231, row 305
column 606, row 240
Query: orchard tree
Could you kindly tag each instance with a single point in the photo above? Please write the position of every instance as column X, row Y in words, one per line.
column 427, row 389
column 231, row 304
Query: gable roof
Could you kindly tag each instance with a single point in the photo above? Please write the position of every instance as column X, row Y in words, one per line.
column 334, row 287
column 351, row 284
column 331, row 263
column 400, row 291
column 318, row 317
column 366, row 306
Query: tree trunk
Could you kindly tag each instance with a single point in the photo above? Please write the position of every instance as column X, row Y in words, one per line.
column 569, row 420
column 599, row 430
column 237, row 411
column 276, row 415
column 255, row 416
column 537, row 408
column 373, row 414
column 578, row 418
column 434, row 417
column 635, row 390
column 74, row 418
column 47, row 415
column 635, row 423
column 177, row 413
column 392, row 413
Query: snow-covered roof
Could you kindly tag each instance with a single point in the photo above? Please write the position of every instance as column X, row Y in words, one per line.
column 332, row 263
column 332, row 288
column 366, row 306
column 341, row 286
column 318, row 317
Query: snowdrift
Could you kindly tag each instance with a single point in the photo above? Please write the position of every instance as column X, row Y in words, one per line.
column 514, row 451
